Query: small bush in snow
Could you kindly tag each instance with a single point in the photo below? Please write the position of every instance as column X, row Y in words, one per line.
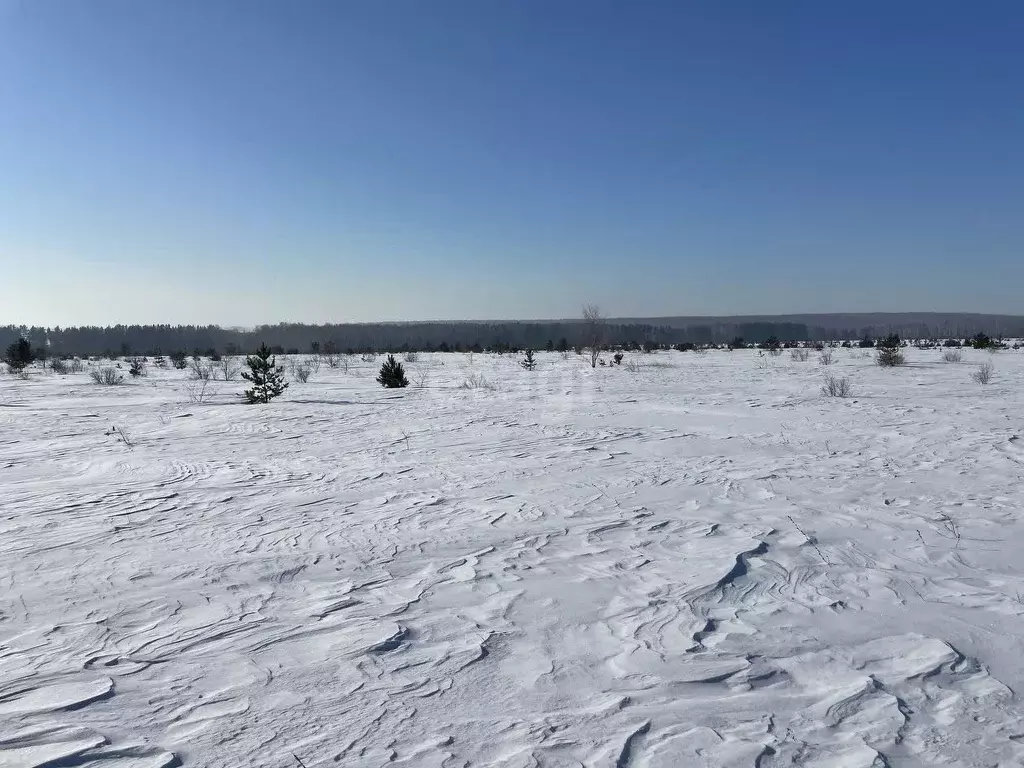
column 227, row 369
column 106, row 376
column 266, row 376
column 836, row 386
column 981, row 341
column 198, row 391
column 137, row 367
column 301, row 372
column 984, row 373
column 392, row 374
column 199, row 370
column 19, row 355
column 75, row 365
column 476, row 381
column 121, row 434
column 952, row 356
column 799, row 355
column 411, row 357
column 888, row 351
column 178, row 359
column 528, row 362
column 825, row 357
column 59, row 366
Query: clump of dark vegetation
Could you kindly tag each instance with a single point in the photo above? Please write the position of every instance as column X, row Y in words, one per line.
column 392, row 374
column 137, row 367
column 266, row 377
column 888, row 351
column 19, row 355
column 981, row 341
column 178, row 359
column 528, row 362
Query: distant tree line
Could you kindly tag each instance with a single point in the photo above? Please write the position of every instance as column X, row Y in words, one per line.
column 293, row 338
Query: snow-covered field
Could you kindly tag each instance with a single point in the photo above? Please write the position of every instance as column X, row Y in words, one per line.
column 702, row 563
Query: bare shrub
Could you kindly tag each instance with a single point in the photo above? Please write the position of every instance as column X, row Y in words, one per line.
column 419, row 378
column 106, row 376
column 774, row 351
column 59, row 366
column 411, row 357
column 984, row 373
column 226, row 369
column 75, row 365
column 799, row 355
column 121, row 434
column 825, row 357
column 952, row 356
column 368, row 357
column 700, row 351
column 198, row 391
column 593, row 331
column 836, row 386
column 200, row 371
column 476, row 381
column 301, row 372
column 633, row 365
column 313, row 363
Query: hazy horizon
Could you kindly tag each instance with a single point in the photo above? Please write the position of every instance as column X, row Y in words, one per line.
column 241, row 163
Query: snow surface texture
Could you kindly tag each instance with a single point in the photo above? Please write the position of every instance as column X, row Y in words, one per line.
column 702, row 563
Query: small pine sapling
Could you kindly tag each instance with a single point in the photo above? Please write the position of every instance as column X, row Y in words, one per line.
column 392, row 375
column 266, row 376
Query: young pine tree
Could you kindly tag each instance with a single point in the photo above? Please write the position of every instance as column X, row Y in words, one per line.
column 528, row 363
column 266, row 377
column 392, row 375
column 888, row 351
column 19, row 355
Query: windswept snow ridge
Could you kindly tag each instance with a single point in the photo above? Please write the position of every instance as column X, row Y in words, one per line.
column 704, row 563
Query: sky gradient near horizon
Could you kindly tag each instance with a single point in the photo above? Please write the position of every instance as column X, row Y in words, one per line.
column 230, row 162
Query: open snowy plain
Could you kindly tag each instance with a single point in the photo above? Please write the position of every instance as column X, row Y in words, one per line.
column 705, row 562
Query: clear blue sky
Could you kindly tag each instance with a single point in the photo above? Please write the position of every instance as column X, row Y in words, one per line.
column 322, row 160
